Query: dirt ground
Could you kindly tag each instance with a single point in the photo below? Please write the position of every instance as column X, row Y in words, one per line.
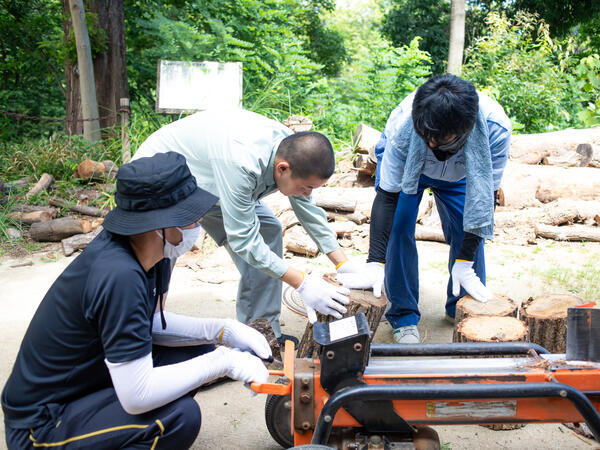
column 234, row 420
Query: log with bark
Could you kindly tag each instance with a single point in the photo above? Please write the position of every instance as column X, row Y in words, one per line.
column 360, row 301
column 343, row 228
column 568, row 233
column 298, row 123
column 81, row 209
column 423, row 233
column 297, row 241
column 364, row 164
column 335, row 201
column 94, row 170
column 532, row 148
column 524, row 185
column 56, row 230
column 31, row 217
column 365, row 138
column 43, row 184
column 357, row 217
column 467, row 306
column 581, row 157
column 78, row 241
column 263, row 326
column 546, row 318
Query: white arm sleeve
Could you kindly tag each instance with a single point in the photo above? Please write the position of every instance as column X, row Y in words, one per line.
column 184, row 330
column 140, row 387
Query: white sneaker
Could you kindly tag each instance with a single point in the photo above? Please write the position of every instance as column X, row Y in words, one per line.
column 407, row 335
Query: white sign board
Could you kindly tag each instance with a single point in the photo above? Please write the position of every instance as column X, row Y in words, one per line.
column 184, row 86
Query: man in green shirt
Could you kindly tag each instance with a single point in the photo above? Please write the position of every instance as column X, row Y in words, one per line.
column 241, row 157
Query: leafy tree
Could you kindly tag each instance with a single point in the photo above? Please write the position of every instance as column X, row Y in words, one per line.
column 562, row 15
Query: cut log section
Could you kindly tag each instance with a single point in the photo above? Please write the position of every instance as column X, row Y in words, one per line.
column 357, row 217
column 570, row 233
column 94, row 170
column 532, row 148
column 365, row 138
column 360, row 301
column 581, row 157
column 491, row 329
column 31, row 217
column 343, row 229
column 78, row 241
column 335, row 202
column 297, row 241
column 423, row 233
column 43, row 184
column 500, row 306
column 263, row 326
column 58, row 229
column 546, row 318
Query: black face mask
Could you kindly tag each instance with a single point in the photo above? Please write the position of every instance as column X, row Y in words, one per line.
column 445, row 151
column 442, row 155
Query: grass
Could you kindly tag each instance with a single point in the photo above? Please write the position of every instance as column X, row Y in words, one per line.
column 583, row 281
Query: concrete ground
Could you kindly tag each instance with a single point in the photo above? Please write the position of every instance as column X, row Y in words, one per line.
column 232, row 419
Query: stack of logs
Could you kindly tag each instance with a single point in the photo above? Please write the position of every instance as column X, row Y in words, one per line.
column 74, row 232
column 550, row 187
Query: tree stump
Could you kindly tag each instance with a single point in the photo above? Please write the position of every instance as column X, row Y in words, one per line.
column 360, row 301
column 467, row 306
column 546, row 318
column 489, row 328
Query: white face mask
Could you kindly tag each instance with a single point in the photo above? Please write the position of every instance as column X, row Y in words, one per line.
column 188, row 239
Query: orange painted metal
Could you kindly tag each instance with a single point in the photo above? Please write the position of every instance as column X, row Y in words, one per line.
column 288, row 372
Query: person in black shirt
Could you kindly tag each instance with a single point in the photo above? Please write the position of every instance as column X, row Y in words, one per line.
column 102, row 365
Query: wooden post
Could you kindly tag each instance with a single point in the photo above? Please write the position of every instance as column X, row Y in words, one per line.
column 125, row 113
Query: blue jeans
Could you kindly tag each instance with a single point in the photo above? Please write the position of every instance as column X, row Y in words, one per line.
column 402, row 260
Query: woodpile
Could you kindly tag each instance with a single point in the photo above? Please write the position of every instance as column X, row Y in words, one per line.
column 74, row 222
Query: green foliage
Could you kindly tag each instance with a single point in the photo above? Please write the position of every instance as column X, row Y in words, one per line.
column 588, row 73
column 562, row 15
column 528, row 72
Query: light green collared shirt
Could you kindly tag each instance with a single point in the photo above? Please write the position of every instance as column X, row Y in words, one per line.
column 231, row 155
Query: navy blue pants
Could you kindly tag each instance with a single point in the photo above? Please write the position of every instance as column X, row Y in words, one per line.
column 402, row 260
column 97, row 421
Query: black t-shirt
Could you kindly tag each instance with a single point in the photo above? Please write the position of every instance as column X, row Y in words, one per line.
column 101, row 306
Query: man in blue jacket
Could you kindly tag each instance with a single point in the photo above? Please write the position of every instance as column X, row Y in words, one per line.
column 455, row 141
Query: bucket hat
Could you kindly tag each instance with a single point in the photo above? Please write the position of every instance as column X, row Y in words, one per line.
column 156, row 192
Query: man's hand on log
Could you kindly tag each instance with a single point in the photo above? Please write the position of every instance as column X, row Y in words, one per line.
column 362, row 276
column 319, row 295
column 464, row 275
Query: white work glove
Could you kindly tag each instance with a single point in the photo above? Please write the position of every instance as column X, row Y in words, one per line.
column 464, row 275
column 243, row 366
column 369, row 276
column 245, row 338
column 322, row 296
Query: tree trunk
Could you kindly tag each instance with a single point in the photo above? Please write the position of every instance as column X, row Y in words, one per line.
column 546, row 318
column 43, row 183
column 457, row 37
column 568, row 233
column 532, row 148
column 78, row 241
column 87, row 86
column 360, row 301
column 58, row 229
column 110, row 71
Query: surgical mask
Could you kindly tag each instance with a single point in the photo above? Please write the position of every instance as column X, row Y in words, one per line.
column 188, row 238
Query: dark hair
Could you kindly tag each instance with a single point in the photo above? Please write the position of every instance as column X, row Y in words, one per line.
column 444, row 105
column 309, row 154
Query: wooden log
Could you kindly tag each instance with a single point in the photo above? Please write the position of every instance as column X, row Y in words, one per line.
column 423, row 233
column 298, row 123
column 31, row 217
column 364, row 164
column 491, row 329
column 343, row 229
column 360, row 301
column 595, row 162
column 524, row 185
column 81, row 209
column 365, row 138
column 467, row 306
column 263, row 326
column 581, row 157
column 568, row 233
column 78, row 241
column 335, row 202
column 546, row 319
column 94, row 170
column 288, row 219
column 43, row 183
column 18, row 207
column 532, row 148
column 57, row 229
column 297, row 241
column 357, row 217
